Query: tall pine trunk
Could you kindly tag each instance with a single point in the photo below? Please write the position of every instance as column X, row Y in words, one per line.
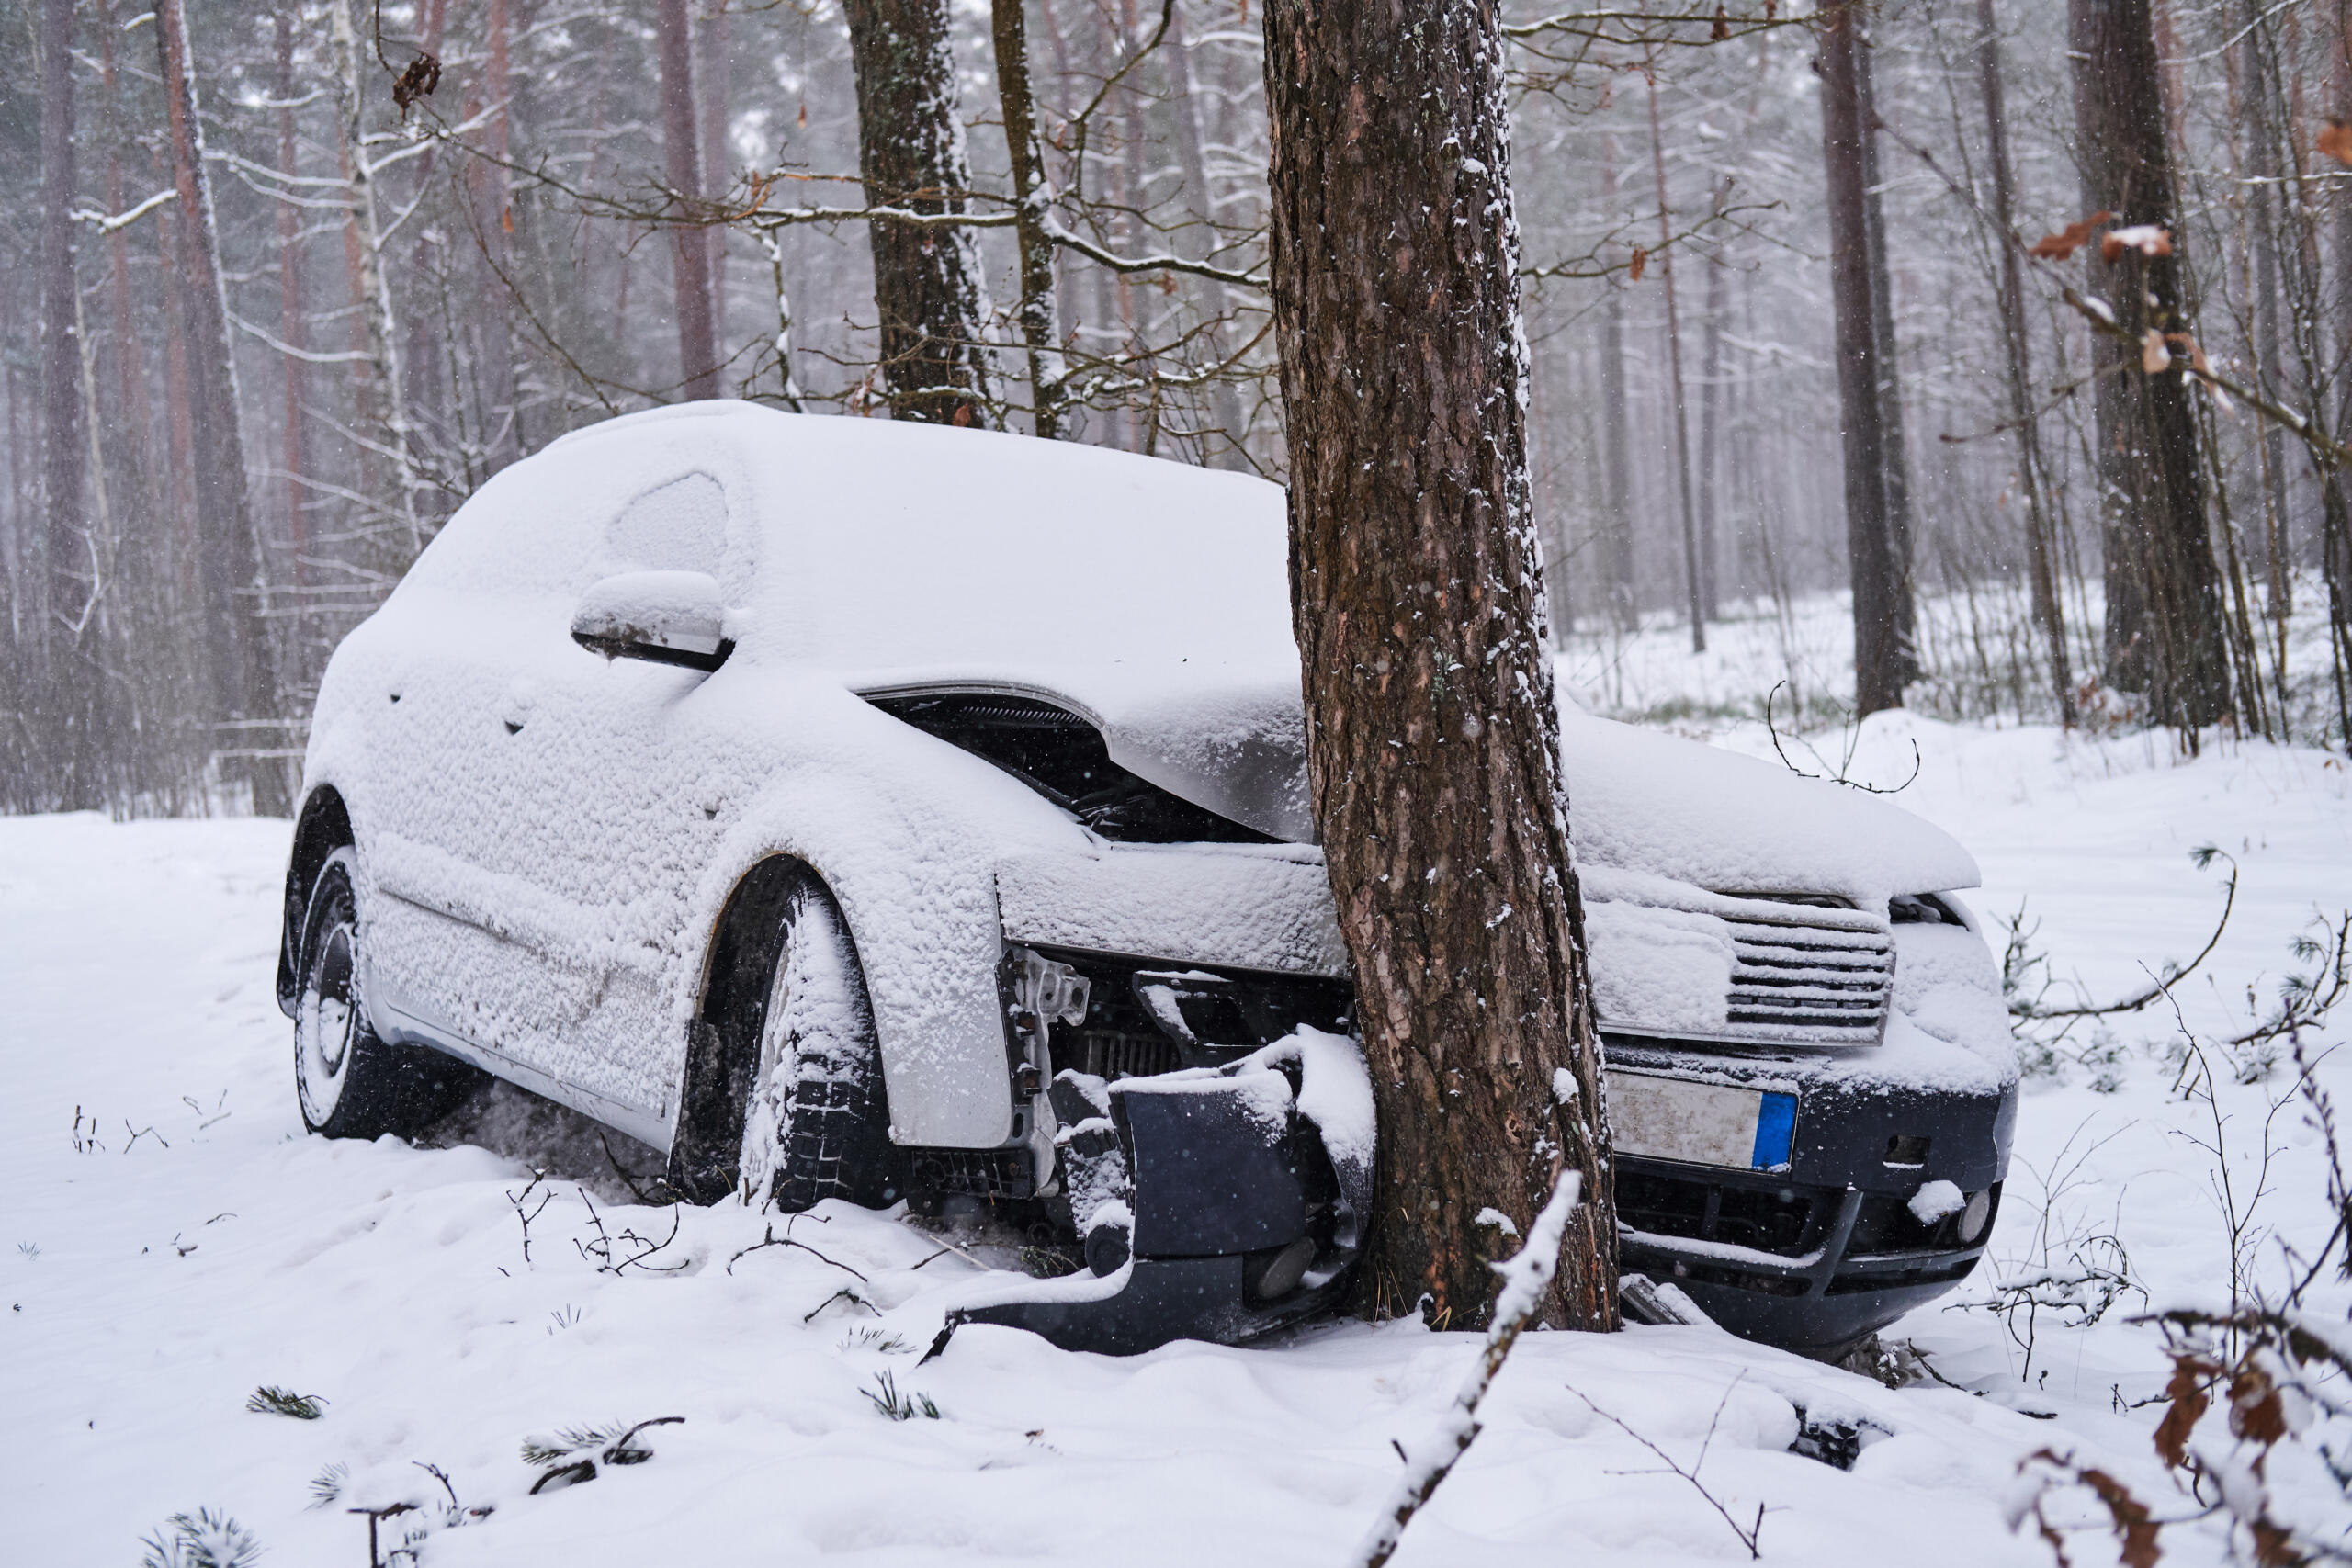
column 2042, row 569
column 1880, row 656
column 928, row 286
column 229, row 549
column 1616, row 456
column 1694, row 571
column 689, row 246
column 1890, row 383
column 2164, row 607
column 1432, row 737
column 61, row 580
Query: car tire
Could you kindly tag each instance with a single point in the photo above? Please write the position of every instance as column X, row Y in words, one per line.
column 349, row 1081
column 817, row 1125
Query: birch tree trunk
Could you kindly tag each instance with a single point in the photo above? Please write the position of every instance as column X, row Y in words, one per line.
column 928, row 286
column 1432, row 737
column 689, row 247
column 2164, row 607
column 1879, row 651
column 229, row 560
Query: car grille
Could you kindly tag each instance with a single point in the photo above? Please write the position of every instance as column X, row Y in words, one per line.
column 1795, row 978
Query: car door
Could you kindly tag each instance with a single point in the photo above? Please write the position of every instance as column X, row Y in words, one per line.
column 519, row 924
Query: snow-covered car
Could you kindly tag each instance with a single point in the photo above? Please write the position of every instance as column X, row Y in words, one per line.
column 894, row 813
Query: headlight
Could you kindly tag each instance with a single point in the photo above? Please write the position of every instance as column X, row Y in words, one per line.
column 1972, row 1218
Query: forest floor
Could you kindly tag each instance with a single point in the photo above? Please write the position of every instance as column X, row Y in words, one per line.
column 174, row 1242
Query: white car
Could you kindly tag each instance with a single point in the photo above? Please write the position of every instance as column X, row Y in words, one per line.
column 895, row 813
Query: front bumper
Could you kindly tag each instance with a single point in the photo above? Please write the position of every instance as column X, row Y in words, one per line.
column 1813, row 1251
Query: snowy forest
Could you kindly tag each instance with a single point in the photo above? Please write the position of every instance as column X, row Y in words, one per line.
column 285, row 285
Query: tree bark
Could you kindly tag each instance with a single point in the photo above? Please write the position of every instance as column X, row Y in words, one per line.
column 1196, row 242
column 1617, row 463
column 1693, row 572
column 383, row 390
column 2041, row 547
column 2262, row 195
column 2163, row 609
column 689, row 246
column 1879, row 652
column 1890, row 381
column 928, row 286
column 229, row 548
column 1037, row 311
column 715, row 97
column 57, row 545
column 292, row 319
column 1433, row 740
column 501, row 420
column 1711, row 419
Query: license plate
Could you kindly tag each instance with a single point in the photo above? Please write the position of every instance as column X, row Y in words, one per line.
column 1700, row 1123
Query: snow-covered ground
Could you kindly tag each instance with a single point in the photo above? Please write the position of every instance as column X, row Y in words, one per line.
column 175, row 1242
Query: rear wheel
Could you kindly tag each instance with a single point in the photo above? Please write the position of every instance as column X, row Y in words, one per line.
column 351, row 1083
column 818, row 1123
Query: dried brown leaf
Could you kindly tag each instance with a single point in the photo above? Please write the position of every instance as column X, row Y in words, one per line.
column 2154, row 354
column 2133, row 1527
column 1641, row 264
column 2335, row 139
column 2255, row 1412
column 2186, row 1390
column 2062, row 246
column 1722, row 25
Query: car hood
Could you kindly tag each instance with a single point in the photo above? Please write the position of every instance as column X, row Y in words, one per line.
column 1234, row 742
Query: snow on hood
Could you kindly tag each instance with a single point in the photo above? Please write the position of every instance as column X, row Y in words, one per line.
column 1639, row 800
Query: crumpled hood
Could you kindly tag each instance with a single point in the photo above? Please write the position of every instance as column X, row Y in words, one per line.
column 1642, row 801
column 1232, row 739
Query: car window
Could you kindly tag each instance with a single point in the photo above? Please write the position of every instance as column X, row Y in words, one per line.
column 677, row 526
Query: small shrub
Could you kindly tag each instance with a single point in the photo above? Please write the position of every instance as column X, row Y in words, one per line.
column 201, row 1539
column 886, row 1397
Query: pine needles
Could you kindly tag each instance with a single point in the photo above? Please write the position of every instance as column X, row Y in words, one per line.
column 886, row 1397
column 201, row 1539
column 572, row 1454
column 271, row 1400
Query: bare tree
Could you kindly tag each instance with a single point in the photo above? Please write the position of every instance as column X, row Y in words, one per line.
column 689, row 246
column 928, row 285
column 2016, row 351
column 1432, row 738
column 1616, row 462
column 1880, row 658
column 2164, row 610
column 1693, row 572
column 229, row 550
column 60, row 579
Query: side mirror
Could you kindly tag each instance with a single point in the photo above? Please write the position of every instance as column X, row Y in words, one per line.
column 665, row 617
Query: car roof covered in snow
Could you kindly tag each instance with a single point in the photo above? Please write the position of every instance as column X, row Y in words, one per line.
column 1151, row 595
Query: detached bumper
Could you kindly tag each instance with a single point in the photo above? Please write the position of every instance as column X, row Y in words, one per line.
column 1242, row 1212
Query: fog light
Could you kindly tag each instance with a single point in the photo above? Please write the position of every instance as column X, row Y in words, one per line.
column 1972, row 1218
column 1283, row 1271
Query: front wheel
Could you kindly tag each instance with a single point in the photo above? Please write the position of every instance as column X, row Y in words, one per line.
column 817, row 1125
column 351, row 1083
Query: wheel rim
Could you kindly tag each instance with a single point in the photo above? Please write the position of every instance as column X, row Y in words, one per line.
column 327, row 1021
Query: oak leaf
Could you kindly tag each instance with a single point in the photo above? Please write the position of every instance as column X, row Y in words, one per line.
column 1640, row 262
column 2145, row 238
column 2335, row 139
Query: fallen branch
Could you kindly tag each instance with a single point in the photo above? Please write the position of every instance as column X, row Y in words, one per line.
column 1526, row 1276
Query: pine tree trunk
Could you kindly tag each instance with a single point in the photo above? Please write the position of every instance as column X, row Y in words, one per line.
column 229, row 550
column 715, row 97
column 2041, row 547
column 292, row 319
column 1617, row 462
column 1432, row 734
column 1879, row 650
column 1196, row 242
column 501, row 420
column 2262, row 198
column 1037, row 310
column 2164, row 607
column 60, row 576
column 1890, row 382
column 928, row 286
column 689, row 246
column 1711, row 418
column 1693, row 570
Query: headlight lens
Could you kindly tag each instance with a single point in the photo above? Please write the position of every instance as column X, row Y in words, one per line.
column 1973, row 1218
